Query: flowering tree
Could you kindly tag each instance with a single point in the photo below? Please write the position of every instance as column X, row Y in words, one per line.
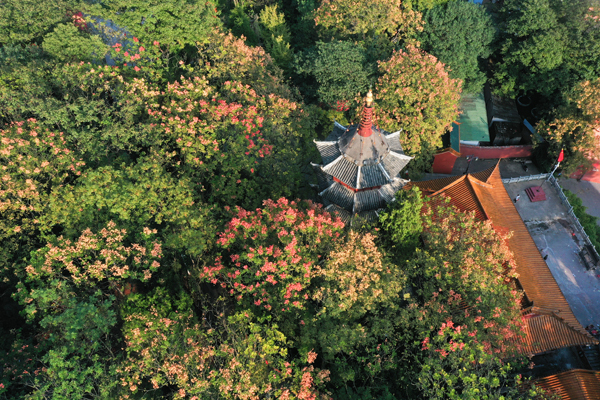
column 33, row 161
column 240, row 356
column 575, row 128
column 416, row 94
column 69, row 295
column 270, row 254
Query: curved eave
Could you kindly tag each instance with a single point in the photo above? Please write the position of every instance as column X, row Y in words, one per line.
column 394, row 142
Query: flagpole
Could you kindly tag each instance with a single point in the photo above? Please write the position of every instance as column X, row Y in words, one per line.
column 561, row 156
column 552, row 173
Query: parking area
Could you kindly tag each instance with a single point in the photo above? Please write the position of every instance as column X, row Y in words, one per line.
column 550, row 226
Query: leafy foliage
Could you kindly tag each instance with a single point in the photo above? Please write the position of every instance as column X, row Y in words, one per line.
column 27, row 21
column 345, row 19
column 68, row 44
column 174, row 23
column 339, row 68
column 276, row 36
column 459, row 34
column 416, row 94
column 548, row 41
column 589, row 222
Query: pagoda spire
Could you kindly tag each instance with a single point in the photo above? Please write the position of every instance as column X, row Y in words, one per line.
column 366, row 117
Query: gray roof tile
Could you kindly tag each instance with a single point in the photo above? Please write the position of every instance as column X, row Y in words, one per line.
column 394, row 142
column 371, row 176
column 324, row 180
column 338, row 130
column 329, row 151
column 368, row 200
column 343, row 170
column 394, row 162
column 340, row 195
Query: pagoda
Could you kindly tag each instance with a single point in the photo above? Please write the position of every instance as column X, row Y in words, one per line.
column 361, row 166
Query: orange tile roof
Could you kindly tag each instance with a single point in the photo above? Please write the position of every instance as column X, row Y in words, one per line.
column 546, row 332
column 576, row 384
column 484, row 193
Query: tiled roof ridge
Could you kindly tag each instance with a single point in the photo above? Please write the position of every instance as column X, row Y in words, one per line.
column 471, row 181
column 460, row 178
column 554, row 314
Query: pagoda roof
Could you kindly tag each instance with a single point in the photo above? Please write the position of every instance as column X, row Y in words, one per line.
column 361, row 167
column 484, row 194
column 362, row 173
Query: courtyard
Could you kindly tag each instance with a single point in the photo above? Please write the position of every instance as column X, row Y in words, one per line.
column 552, row 229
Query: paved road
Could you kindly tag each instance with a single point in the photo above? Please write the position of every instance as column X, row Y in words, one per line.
column 588, row 192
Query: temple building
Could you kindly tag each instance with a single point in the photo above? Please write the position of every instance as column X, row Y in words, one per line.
column 361, row 167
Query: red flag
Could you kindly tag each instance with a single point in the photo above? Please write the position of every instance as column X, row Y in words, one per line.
column 561, row 156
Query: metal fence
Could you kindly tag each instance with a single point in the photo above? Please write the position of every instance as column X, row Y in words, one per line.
column 525, row 178
column 578, row 225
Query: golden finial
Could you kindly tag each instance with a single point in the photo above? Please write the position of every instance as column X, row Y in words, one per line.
column 369, row 99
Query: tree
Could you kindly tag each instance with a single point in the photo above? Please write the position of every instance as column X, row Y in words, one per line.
column 425, row 5
column 69, row 294
column 459, row 34
column 33, row 162
column 170, row 351
column 346, row 19
column 415, row 94
column 135, row 195
column 276, row 36
column 574, row 128
column 67, row 43
column 402, row 223
column 340, row 69
column 28, row 21
column 269, row 255
column 547, row 41
column 173, row 23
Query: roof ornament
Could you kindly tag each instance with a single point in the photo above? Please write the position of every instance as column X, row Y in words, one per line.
column 366, row 118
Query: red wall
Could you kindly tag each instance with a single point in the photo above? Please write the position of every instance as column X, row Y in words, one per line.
column 496, row 151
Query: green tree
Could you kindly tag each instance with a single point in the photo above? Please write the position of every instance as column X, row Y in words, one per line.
column 28, row 21
column 402, row 223
column 546, row 41
column 459, row 34
column 425, row 5
column 276, row 36
column 67, row 43
column 136, row 195
column 340, row 69
column 173, row 23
